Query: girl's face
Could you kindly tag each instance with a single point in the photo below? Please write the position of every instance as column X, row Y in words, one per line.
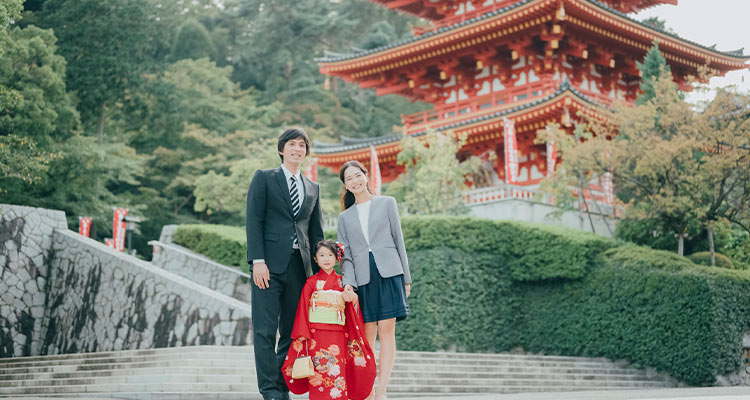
column 325, row 259
column 355, row 180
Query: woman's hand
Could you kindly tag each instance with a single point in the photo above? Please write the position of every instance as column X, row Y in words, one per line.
column 349, row 294
column 408, row 289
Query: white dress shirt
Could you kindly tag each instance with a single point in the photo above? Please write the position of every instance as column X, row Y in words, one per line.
column 363, row 210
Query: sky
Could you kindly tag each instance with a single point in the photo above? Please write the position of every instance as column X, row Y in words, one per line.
column 708, row 22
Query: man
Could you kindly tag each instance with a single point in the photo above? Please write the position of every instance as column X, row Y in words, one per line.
column 284, row 221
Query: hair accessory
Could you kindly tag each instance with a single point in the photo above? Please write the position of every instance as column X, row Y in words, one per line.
column 339, row 251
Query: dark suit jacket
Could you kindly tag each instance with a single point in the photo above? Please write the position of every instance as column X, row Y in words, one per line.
column 271, row 225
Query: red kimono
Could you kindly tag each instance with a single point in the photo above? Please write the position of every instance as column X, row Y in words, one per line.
column 344, row 362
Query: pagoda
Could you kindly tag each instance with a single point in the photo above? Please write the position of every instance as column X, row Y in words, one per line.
column 534, row 62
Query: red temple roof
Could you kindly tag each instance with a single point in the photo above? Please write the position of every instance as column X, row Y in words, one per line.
column 442, row 10
column 586, row 17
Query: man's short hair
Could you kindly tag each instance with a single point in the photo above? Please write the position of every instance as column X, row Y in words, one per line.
column 293, row 133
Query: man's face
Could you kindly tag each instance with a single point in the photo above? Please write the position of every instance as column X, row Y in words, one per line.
column 295, row 151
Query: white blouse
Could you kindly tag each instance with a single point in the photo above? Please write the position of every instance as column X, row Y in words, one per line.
column 363, row 210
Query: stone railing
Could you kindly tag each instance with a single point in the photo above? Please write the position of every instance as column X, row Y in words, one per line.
column 176, row 259
column 25, row 244
column 103, row 300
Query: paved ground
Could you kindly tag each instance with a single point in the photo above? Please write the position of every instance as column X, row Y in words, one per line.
column 722, row 393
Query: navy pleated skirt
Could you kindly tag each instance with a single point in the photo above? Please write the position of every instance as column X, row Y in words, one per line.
column 382, row 298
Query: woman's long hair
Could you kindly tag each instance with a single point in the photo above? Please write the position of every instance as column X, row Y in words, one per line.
column 347, row 197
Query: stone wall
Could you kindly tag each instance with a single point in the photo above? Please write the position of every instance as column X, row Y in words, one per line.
column 199, row 269
column 63, row 293
column 104, row 300
column 533, row 211
column 25, row 243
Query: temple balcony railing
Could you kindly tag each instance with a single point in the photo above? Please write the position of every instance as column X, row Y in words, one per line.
column 461, row 18
column 594, row 196
column 473, row 107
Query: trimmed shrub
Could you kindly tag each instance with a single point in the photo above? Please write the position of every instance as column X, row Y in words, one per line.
column 649, row 307
column 704, row 258
column 224, row 244
column 533, row 252
column 460, row 300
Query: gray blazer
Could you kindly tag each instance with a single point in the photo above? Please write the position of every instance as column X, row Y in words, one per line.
column 386, row 242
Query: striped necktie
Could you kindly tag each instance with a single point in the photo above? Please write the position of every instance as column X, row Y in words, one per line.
column 294, row 193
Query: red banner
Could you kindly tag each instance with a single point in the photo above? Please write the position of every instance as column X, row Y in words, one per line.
column 608, row 187
column 375, row 180
column 109, row 242
column 551, row 157
column 84, row 226
column 118, row 228
column 511, row 152
column 311, row 172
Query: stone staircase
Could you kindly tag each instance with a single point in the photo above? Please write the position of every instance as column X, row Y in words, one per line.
column 215, row 372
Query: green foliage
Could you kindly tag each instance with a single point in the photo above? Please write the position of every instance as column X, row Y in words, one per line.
column 224, row 244
column 650, row 307
column 35, row 103
column 461, row 299
column 654, row 65
column 107, row 45
column 20, row 159
column 434, row 179
column 704, row 258
column 380, row 34
column 193, row 41
column 9, row 11
column 533, row 252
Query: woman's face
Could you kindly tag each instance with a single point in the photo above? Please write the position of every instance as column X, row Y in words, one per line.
column 355, row 180
column 325, row 259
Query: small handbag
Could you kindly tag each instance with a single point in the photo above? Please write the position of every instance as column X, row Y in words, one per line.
column 303, row 366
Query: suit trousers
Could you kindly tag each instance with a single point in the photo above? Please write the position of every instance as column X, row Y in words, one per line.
column 274, row 308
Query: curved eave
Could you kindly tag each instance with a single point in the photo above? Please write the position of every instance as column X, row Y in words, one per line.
column 342, row 64
column 564, row 92
column 417, row 8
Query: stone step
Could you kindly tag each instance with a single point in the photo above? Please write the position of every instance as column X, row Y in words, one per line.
column 241, row 358
column 52, row 373
column 246, row 351
column 396, row 385
column 237, row 377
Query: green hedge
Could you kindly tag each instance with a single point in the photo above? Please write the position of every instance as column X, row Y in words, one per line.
column 649, row 307
column 532, row 252
column 484, row 285
column 224, row 244
column 704, row 258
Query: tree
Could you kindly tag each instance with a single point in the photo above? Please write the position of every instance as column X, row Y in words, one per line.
column 434, row 179
column 569, row 184
column 9, row 11
column 670, row 165
column 723, row 188
column 193, row 41
column 108, row 46
column 652, row 67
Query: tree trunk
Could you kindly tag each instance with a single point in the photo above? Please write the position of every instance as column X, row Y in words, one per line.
column 680, row 244
column 100, row 124
column 711, row 245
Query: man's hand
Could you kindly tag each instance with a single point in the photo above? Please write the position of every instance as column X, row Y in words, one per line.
column 261, row 276
column 408, row 289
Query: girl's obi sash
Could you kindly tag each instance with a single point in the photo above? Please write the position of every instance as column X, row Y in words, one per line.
column 327, row 307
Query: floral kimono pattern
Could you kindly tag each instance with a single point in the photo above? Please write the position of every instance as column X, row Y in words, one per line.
column 344, row 362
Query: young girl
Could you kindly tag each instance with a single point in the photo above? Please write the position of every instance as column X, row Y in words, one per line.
column 332, row 332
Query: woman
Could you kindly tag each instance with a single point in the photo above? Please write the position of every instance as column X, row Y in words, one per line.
column 374, row 263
